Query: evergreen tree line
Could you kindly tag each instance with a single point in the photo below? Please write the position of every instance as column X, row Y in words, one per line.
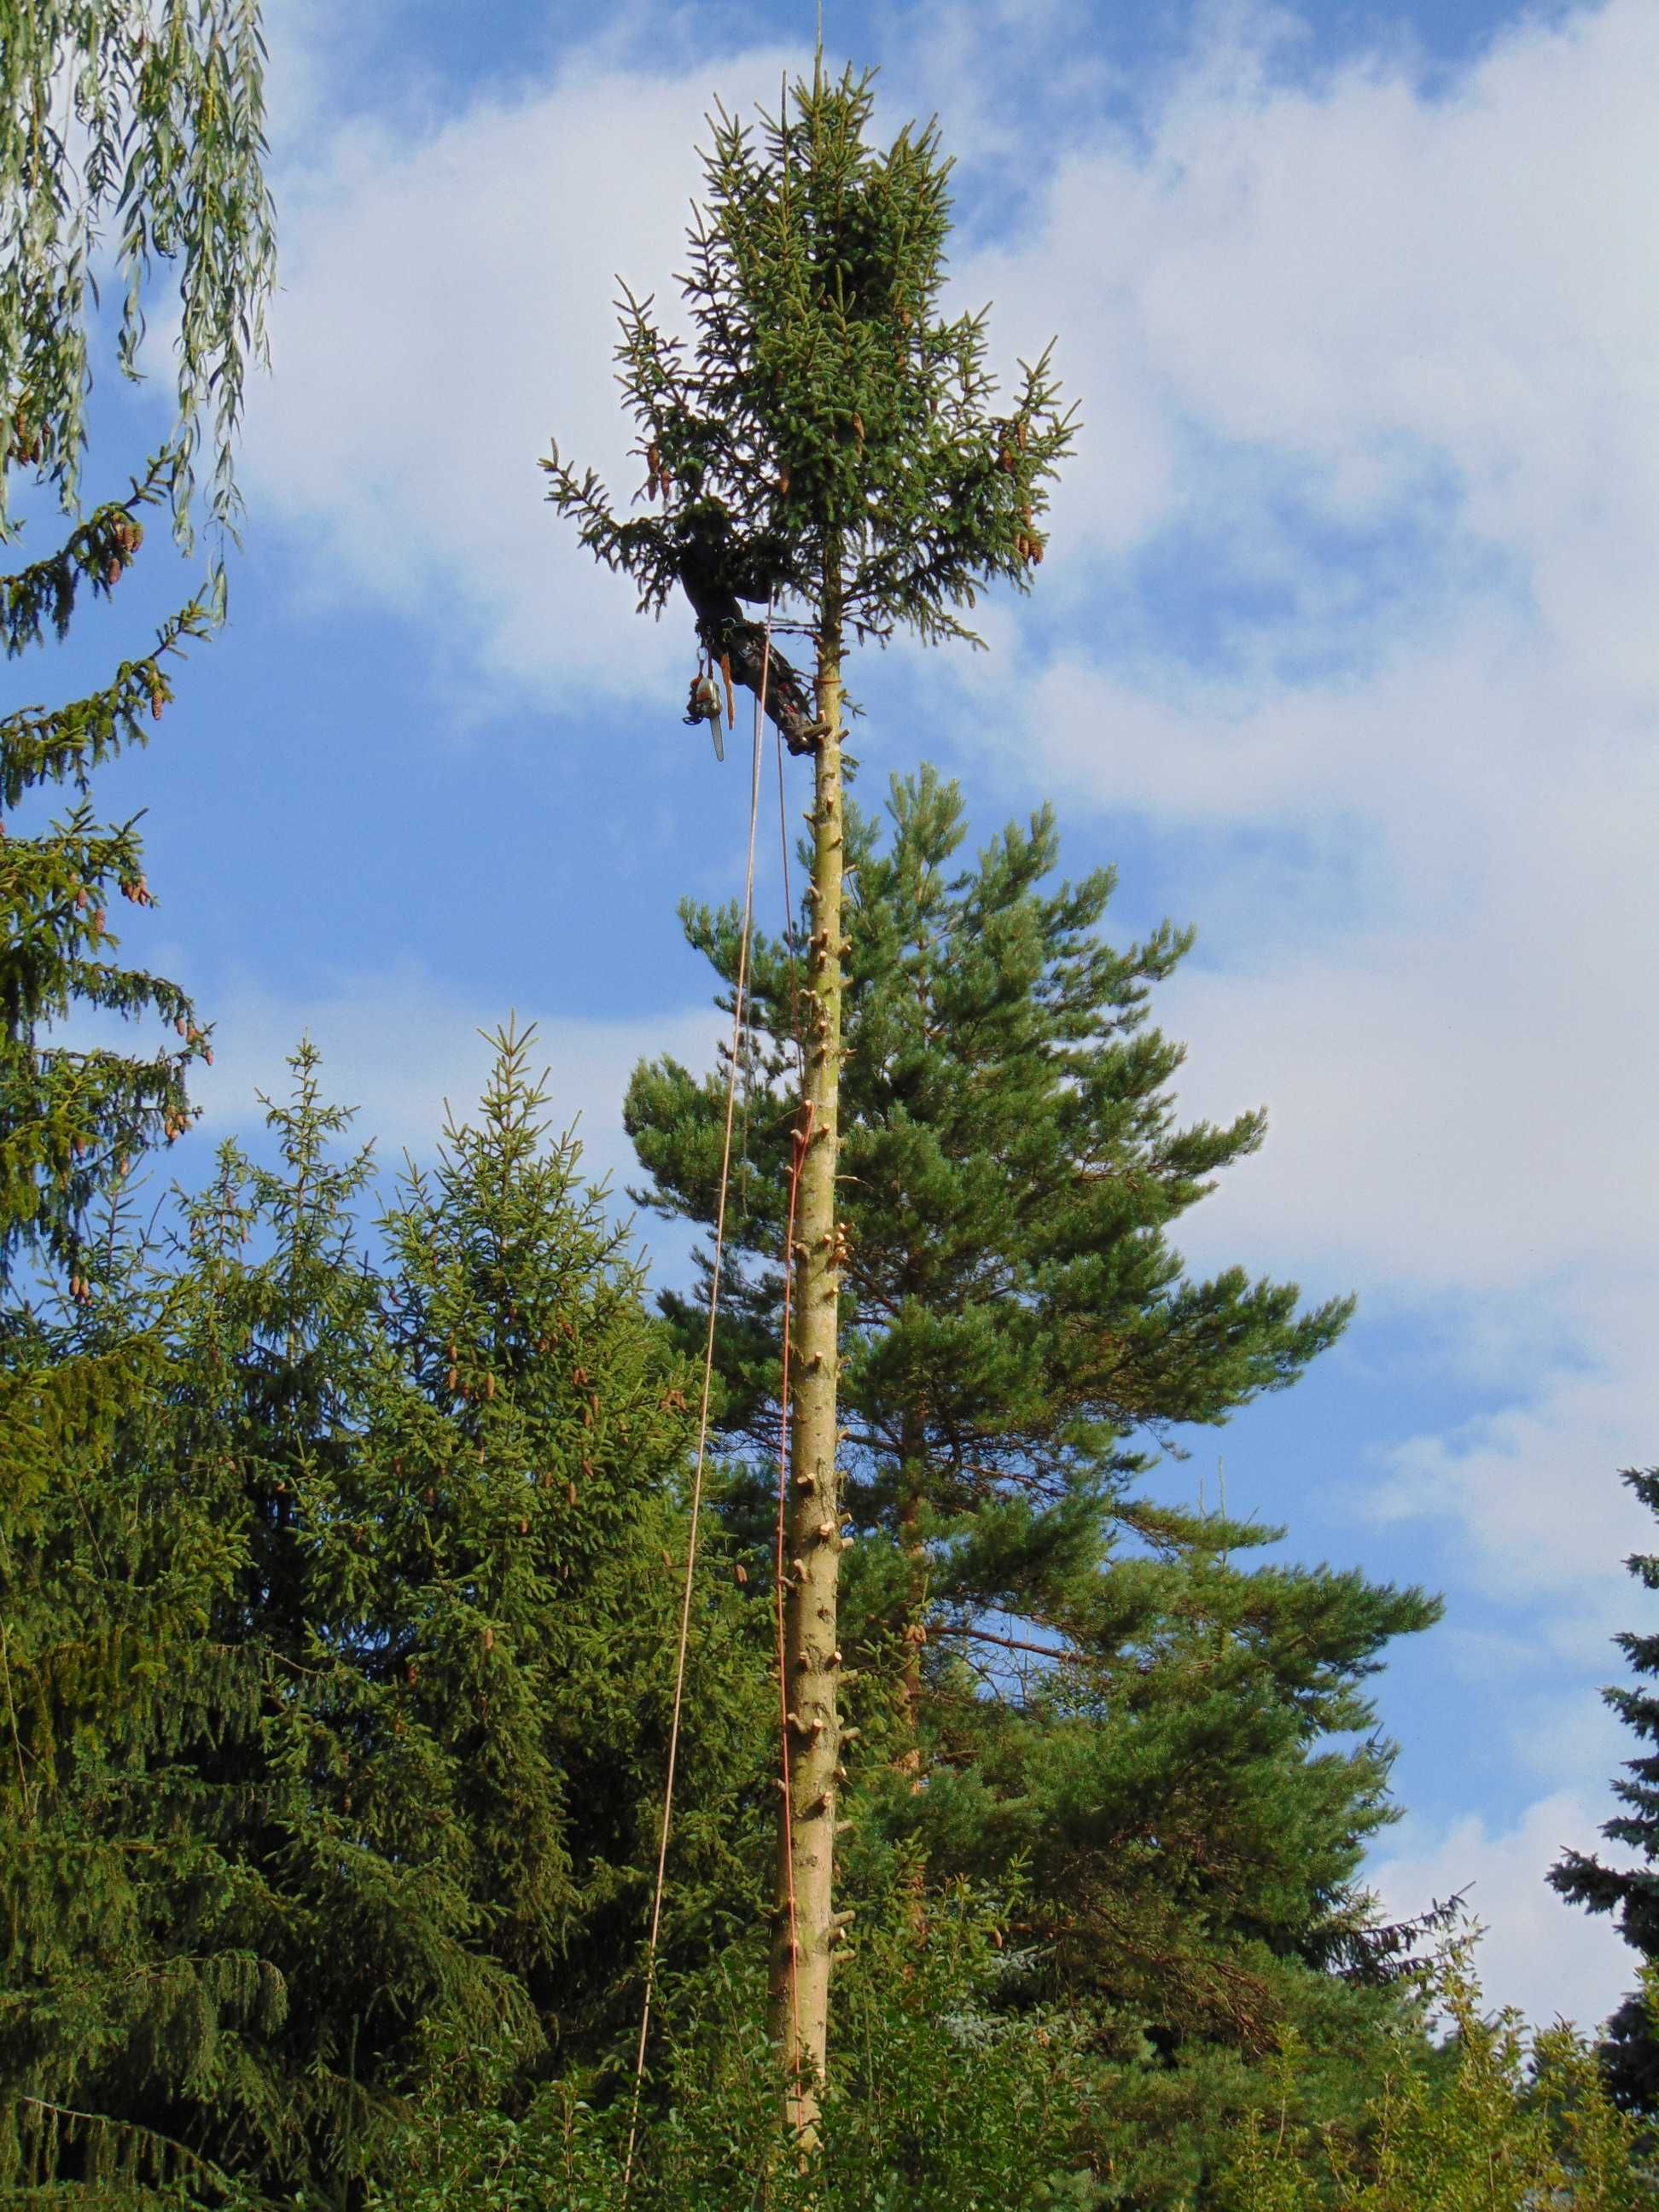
column 343, row 1524
column 341, row 1572
column 336, row 1601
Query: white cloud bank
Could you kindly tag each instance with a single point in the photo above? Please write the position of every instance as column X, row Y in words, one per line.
column 447, row 306
column 1370, row 279
column 1433, row 317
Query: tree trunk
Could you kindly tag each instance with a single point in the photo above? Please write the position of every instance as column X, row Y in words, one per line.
column 912, row 1447
column 806, row 1931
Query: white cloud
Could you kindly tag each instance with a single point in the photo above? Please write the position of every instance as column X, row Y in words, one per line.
column 1351, row 276
column 1462, row 1130
column 1550, row 1959
column 1446, row 1112
column 1355, row 276
column 1433, row 317
column 447, row 305
column 1532, row 1490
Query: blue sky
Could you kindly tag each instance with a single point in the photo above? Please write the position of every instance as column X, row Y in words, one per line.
column 1343, row 652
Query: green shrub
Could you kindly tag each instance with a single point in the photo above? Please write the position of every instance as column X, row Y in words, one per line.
column 947, row 2095
column 1483, row 2126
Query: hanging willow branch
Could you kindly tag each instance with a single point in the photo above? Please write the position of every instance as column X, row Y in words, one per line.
column 133, row 128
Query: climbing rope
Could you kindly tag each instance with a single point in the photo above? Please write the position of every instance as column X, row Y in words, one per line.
column 738, row 1009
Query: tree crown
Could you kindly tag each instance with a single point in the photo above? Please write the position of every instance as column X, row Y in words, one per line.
column 830, row 433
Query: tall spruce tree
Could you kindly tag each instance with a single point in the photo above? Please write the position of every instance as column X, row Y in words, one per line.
column 1081, row 1674
column 1630, row 2054
column 829, row 443
column 529, row 1590
column 337, row 1674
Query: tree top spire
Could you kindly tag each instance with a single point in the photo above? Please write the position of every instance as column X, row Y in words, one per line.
column 829, row 419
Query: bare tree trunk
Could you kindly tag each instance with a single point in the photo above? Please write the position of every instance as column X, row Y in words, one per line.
column 911, row 1448
column 806, row 1930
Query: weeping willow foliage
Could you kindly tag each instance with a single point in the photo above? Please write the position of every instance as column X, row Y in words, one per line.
column 145, row 118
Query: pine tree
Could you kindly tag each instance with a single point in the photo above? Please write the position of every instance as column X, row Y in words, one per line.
column 1016, row 1318
column 1019, row 1333
column 1630, row 2054
column 829, row 443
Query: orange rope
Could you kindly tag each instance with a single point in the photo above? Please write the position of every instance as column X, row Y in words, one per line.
column 737, row 1009
column 802, row 1139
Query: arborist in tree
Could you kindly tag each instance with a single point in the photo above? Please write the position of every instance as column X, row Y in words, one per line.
column 720, row 555
column 718, row 571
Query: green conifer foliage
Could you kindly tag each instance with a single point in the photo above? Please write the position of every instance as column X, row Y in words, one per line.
column 384, row 1661
column 1631, row 1895
column 1080, row 1671
column 829, row 436
column 1016, row 1324
column 76, row 1116
column 128, row 1981
column 226, row 1932
column 532, row 1569
column 1015, row 1310
column 356, row 1878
